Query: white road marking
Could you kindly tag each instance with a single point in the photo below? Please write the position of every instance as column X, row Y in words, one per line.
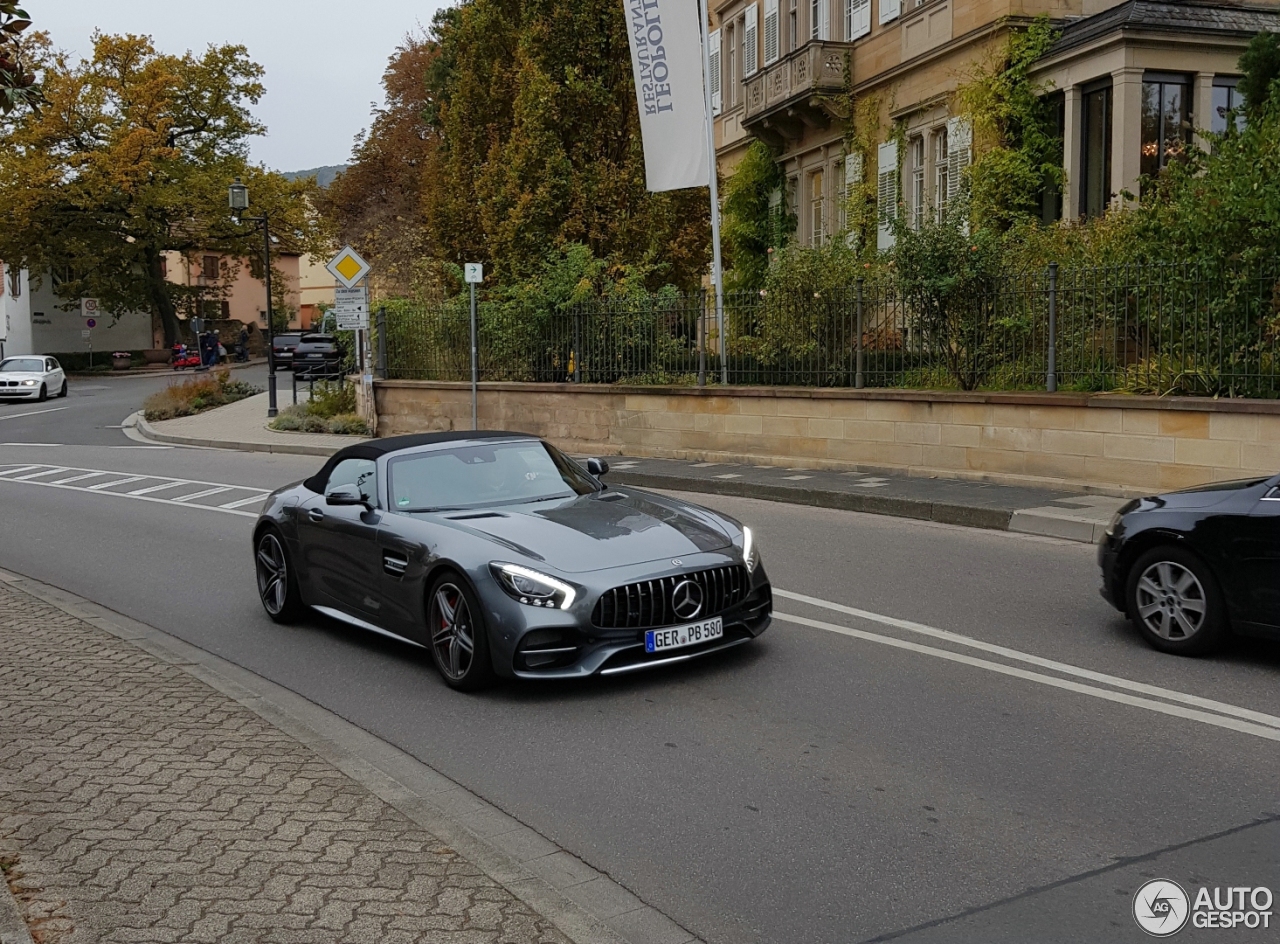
column 77, row 478
column 1051, row 664
column 797, row 478
column 208, row 491
column 14, row 416
column 35, row 475
column 103, row 488
column 731, row 475
column 129, row 481
column 30, row 444
column 136, row 447
column 1177, row 711
column 245, row 501
column 157, row 488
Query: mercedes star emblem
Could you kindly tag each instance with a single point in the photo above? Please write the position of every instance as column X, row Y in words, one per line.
column 686, row 599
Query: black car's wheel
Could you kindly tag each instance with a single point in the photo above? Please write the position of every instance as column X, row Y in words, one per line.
column 1175, row 602
column 63, row 391
column 459, row 639
column 44, row 393
column 277, row 586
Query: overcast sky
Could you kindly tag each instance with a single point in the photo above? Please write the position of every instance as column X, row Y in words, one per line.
column 324, row 58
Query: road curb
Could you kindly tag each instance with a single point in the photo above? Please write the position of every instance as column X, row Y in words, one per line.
column 147, row 431
column 586, row 905
column 995, row 519
column 13, row 927
column 135, row 374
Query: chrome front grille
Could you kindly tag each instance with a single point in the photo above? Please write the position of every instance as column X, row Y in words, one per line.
column 648, row 603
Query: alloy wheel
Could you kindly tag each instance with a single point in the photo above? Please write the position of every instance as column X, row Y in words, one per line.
column 273, row 574
column 452, row 632
column 1171, row 601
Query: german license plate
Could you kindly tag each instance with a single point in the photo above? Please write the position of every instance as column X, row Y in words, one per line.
column 658, row 640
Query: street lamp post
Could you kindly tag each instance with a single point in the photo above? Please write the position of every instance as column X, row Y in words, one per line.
column 238, row 197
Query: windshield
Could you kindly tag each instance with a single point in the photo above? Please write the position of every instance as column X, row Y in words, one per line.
column 22, row 365
column 489, row 474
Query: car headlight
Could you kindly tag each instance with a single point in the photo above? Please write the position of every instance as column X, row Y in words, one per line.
column 750, row 556
column 532, row 588
column 28, row 383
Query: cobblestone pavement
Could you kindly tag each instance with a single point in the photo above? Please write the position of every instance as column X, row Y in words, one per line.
column 139, row 805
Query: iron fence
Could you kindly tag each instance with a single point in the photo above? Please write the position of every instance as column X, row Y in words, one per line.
column 1145, row 329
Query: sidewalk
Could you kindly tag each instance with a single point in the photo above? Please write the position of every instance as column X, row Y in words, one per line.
column 242, row 425
column 138, row 803
column 1028, row 510
column 158, row 370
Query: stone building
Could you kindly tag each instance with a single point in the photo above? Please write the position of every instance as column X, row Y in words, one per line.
column 1132, row 80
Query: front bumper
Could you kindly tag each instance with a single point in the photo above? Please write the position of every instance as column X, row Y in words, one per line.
column 20, row 393
column 1108, row 558
column 583, row 650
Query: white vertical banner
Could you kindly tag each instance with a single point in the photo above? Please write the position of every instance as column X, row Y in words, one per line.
column 666, row 58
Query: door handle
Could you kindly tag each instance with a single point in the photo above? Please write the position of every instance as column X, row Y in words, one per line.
column 315, row 514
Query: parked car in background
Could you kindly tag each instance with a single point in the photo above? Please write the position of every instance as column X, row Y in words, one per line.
column 317, row 356
column 283, row 348
column 1192, row 567
column 32, row 377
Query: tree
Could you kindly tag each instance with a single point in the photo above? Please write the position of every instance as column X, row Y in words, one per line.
column 530, row 142
column 1260, row 64
column 17, row 84
column 129, row 159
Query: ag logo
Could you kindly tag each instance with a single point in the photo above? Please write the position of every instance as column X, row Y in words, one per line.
column 1161, row 907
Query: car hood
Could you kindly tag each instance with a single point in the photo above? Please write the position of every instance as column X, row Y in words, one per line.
column 21, row 375
column 597, row 532
column 1203, row 496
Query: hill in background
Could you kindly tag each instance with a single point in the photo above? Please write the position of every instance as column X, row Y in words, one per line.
column 323, row 175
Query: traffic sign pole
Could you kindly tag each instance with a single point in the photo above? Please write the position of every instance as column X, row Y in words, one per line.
column 474, row 273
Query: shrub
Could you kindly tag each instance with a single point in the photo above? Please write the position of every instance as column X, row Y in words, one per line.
column 196, row 396
column 297, row 419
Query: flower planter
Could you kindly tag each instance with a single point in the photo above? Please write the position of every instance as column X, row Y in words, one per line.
column 121, row 363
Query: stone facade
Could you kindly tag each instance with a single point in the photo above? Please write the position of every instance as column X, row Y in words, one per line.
column 1090, row 442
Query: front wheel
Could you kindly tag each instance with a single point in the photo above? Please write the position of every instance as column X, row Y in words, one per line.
column 1175, row 602
column 44, row 393
column 277, row 585
column 459, row 639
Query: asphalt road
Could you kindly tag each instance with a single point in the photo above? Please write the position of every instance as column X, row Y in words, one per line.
column 855, row 775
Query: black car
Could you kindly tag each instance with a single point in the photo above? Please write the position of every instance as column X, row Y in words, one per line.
column 282, row 348
column 503, row 556
column 1191, row 567
column 317, row 356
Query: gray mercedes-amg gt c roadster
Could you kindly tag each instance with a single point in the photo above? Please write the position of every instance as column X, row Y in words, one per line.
column 505, row 557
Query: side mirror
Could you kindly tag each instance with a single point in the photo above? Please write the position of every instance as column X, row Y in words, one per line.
column 597, row 467
column 345, row 495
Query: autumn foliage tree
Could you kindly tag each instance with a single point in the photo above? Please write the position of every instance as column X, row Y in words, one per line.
column 129, row 159
column 17, row 82
column 517, row 124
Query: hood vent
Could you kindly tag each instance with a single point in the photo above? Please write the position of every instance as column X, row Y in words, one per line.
column 611, row 497
column 476, row 517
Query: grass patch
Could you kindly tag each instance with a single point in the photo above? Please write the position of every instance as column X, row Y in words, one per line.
column 331, row 409
column 196, row 396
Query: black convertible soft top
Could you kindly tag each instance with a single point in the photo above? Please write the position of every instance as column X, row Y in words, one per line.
column 375, row 448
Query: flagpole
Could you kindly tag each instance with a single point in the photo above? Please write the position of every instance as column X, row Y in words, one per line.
column 716, row 274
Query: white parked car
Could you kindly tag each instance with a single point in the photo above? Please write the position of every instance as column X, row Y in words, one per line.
column 32, row 377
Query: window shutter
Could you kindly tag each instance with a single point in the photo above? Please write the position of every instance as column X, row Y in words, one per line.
column 750, row 41
column 886, row 193
column 857, row 18
column 889, row 10
column 959, row 153
column 771, row 44
column 713, row 52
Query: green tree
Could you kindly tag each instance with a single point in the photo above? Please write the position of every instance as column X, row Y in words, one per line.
column 1260, row 64
column 753, row 225
column 130, row 159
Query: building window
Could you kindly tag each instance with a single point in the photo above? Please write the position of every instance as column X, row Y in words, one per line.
column 262, row 317
column 731, row 64
column 1226, row 101
column 941, row 173
column 1164, row 121
column 818, row 22
column 793, row 25
column 915, row 152
column 15, row 282
column 1095, row 143
column 1051, row 191
column 209, row 267
column 842, row 197
column 817, row 216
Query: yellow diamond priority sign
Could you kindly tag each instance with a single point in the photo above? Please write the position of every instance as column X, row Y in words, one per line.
column 347, row 267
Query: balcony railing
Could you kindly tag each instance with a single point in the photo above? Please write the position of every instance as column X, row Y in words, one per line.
column 790, row 83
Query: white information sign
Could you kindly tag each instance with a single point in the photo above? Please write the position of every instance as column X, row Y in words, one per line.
column 351, row 320
column 88, row 307
column 473, row 272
